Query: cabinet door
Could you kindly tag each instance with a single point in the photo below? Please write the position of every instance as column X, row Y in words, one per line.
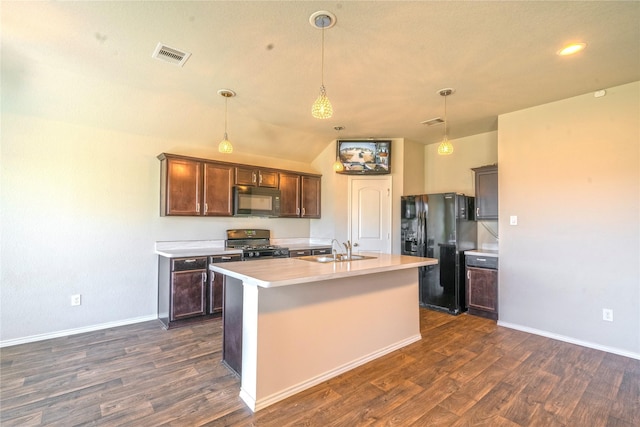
column 256, row 177
column 183, row 187
column 289, row 195
column 188, row 294
column 482, row 290
column 246, row 176
column 216, row 286
column 487, row 193
column 218, row 184
column 268, row 179
column 310, row 190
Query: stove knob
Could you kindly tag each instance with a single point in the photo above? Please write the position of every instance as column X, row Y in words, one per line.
column 256, row 254
column 250, row 254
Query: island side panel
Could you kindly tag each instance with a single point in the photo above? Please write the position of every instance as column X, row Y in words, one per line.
column 232, row 324
column 311, row 332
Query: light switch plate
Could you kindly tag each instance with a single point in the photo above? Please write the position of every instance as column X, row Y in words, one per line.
column 513, row 220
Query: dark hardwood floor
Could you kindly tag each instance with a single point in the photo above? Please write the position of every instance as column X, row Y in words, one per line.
column 466, row 371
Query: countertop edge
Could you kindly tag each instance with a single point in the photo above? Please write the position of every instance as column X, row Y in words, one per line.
column 483, row 252
column 321, row 276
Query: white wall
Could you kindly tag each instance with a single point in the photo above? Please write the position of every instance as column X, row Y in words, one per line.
column 80, row 215
column 335, row 190
column 453, row 173
column 570, row 171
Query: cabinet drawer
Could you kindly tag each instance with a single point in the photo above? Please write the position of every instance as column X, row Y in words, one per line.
column 304, row 252
column 225, row 258
column 321, row 251
column 186, row 264
column 482, row 261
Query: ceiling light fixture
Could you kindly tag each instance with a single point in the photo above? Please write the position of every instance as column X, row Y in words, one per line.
column 572, row 48
column 321, row 108
column 445, row 148
column 225, row 145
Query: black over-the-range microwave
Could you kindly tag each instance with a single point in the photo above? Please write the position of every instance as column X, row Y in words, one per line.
column 256, row 201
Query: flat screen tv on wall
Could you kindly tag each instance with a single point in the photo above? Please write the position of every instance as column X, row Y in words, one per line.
column 364, row 157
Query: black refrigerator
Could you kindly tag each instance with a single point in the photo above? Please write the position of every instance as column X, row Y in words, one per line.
column 440, row 226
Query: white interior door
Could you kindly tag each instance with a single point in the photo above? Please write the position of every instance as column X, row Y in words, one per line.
column 370, row 214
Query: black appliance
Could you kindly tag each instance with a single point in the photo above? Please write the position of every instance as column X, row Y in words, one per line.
column 256, row 201
column 440, row 226
column 255, row 244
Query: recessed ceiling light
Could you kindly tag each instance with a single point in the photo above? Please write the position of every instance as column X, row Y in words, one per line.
column 572, row 48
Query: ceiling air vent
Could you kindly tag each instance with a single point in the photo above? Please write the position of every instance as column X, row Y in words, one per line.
column 433, row 122
column 170, row 54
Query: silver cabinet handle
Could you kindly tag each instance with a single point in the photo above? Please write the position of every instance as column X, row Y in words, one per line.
column 481, row 259
column 297, row 211
column 189, row 260
column 198, row 207
column 477, row 211
column 469, row 274
column 302, row 211
column 206, row 208
column 260, row 179
column 226, row 257
column 253, row 177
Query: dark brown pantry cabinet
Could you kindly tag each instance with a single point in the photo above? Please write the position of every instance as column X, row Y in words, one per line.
column 486, row 192
column 299, row 195
column 192, row 187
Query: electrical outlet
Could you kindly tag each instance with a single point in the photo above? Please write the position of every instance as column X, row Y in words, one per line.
column 76, row 299
column 607, row 314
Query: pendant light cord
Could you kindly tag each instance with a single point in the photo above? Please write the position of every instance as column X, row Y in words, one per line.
column 322, row 61
column 226, row 101
column 445, row 118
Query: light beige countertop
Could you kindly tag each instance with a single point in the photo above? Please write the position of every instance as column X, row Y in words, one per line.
column 193, row 248
column 269, row 273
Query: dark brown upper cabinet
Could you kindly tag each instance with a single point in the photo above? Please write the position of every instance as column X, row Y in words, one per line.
column 256, row 177
column 191, row 187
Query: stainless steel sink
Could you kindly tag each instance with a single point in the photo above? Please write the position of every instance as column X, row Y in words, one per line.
column 339, row 258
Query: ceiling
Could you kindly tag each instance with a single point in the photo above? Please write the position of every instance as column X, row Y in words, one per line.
column 90, row 63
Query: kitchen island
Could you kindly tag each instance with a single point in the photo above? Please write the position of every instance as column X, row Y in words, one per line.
column 292, row 323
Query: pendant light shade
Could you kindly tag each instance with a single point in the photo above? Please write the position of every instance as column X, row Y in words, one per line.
column 225, row 145
column 321, row 108
column 445, row 148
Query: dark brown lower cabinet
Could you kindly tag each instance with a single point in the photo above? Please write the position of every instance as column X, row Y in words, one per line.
column 187, row 291
column 482, row 292
column 188, row 294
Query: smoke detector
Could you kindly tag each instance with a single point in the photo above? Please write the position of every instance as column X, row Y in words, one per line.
column 170, row 54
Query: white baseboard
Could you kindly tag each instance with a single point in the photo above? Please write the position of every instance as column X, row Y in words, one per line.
column 256, row 405
column 570, row 340
column 67, row 332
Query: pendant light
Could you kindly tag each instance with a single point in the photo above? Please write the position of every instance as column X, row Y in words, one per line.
column 225, row 145
column 321, row 108
column 445, row 148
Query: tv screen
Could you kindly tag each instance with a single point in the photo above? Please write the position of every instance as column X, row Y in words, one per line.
column 364, row 157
